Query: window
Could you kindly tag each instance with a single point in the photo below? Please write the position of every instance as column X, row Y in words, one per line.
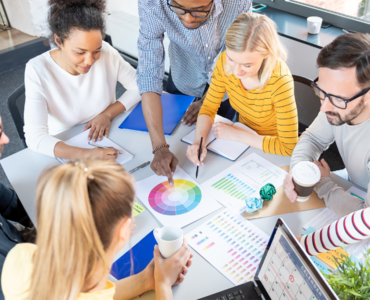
column 359, row 9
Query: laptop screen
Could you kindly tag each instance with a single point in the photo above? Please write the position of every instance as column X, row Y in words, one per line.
column 286, row 272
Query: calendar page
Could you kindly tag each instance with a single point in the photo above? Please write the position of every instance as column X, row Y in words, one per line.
column 284, row 274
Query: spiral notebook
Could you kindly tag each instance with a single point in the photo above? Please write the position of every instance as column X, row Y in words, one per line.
column 229, row 149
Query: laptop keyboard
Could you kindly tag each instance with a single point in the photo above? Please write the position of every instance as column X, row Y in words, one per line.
column 236, row 295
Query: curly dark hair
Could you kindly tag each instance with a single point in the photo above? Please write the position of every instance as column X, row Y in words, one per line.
column 66, row 15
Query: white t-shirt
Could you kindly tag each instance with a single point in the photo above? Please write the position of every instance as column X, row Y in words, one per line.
column 57, row 100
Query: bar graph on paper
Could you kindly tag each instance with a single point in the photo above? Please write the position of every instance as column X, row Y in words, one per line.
column 233, row 245
column 244, row 179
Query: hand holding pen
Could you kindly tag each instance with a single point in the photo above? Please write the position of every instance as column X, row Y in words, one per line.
column 193, row 153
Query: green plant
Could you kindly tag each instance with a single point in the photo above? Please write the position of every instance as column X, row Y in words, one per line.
column 351, row 280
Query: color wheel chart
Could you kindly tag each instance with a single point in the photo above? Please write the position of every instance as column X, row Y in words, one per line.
column 178, row 205
column 174, row 200
column 244, row 179
column 233, row 245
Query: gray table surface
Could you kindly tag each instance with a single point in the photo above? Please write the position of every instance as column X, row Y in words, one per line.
column 24, row 168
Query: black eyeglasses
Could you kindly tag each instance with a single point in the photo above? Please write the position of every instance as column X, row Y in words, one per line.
column 335, row 100
column 195, row 13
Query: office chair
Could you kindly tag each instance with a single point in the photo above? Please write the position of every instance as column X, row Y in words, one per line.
column 16, row 103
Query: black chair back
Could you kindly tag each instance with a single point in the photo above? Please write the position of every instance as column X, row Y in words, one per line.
column 16, row 103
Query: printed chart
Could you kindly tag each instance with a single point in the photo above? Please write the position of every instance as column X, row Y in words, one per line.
column 233, row 245
column 244, row 179
column 178, row 205
column 174, row 200
column 284, row 276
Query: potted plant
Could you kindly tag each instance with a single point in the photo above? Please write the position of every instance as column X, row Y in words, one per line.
column 351, row 279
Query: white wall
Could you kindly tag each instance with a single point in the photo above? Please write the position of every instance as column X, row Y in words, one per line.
column 28, row 16
column 126, row 6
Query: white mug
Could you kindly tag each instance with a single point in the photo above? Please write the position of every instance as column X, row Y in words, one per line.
column 169, row 239
column 314, row 25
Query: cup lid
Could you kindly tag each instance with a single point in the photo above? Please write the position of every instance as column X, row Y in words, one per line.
column 306, row 173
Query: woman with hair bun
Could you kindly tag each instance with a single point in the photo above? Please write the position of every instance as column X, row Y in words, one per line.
column 84, row 217
column 76, row 82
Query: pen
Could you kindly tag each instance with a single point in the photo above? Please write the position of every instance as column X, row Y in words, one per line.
column 140, row 167
column 200, row 149
column 98, row 146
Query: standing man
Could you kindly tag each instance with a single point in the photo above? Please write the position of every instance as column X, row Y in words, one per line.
column 343, row 87
column 196, row 30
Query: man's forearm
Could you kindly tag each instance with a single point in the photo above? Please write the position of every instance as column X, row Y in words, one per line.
column 152, row 109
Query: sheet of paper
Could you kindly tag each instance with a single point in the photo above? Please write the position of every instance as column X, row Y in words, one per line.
column 244, row 179
column 328, row 257
column 137, row 209
column 233, row 245
column 354, row 191
column 177, row 205
column 324, row 218
column 81, row 141
column 189, row 138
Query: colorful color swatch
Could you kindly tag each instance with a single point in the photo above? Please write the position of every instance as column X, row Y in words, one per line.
column 233, row 245
column 174, row 200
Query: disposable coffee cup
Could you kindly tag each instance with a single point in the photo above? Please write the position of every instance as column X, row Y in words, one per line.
column 314, row 25
column 169, row 239
column 305, row 176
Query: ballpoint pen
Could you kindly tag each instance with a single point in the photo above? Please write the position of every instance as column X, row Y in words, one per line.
column 139, row 167
column 200, row 149
column 102, row 147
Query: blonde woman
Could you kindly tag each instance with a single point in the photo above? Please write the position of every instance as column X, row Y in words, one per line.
column 260, row 87
column 84, row 217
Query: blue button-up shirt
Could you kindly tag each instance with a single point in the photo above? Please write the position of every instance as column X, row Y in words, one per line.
column 192, row 52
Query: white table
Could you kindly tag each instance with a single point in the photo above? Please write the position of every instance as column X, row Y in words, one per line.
column 24, row 168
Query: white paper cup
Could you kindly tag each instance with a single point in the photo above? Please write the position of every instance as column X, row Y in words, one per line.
column 314, row 25
column 169, row 239
column 305, row 176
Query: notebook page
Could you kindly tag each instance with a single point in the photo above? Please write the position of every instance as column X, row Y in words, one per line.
column 81, row 141
column 230, row 149
column 189, row 138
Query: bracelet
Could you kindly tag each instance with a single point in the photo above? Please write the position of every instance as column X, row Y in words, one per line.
column 159, row 147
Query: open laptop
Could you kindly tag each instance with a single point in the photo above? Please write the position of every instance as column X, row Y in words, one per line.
column 286, row 272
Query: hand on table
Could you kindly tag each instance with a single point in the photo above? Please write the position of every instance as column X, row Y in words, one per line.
column 191, row 114
column 109, row 153
column 164, row 163
column 193, row 152
column 289, row 188
column 99, row 127
column 225, row 131
column 324, row 167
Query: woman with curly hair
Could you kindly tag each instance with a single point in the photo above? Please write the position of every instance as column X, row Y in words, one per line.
column 76, row 82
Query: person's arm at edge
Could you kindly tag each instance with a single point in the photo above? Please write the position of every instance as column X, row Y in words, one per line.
column 132, row 286
column 335, row 234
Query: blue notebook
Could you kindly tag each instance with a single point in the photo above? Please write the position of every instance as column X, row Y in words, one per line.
column 142, row 254
column 174, row 107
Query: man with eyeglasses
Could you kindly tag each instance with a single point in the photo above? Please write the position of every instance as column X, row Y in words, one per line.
column 10, row 209
column 196, row 30
column 343, row 87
